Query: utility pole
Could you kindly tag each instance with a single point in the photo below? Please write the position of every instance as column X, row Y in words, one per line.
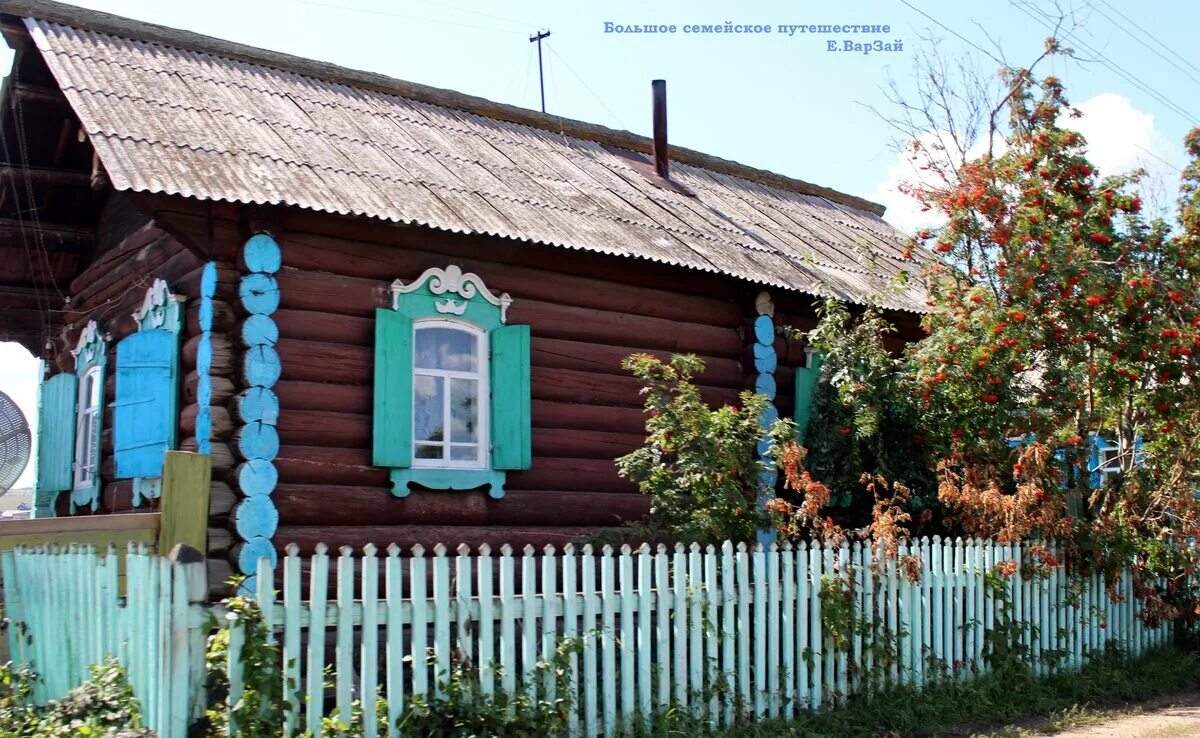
column 541, row 79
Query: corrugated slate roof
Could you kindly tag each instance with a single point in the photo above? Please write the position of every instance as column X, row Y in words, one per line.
column 185, row 121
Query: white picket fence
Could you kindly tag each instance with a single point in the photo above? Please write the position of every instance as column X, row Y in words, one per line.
column 728, row 633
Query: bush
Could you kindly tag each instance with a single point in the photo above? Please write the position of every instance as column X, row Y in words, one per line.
column 101, row 707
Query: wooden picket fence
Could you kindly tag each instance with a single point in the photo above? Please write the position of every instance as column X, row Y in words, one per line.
column 72, row 606
column 727, row 633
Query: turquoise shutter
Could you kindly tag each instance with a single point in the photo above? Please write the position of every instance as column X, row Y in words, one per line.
column 56, row 432
column 393, row 389
column 806, row 382
column 144, row 424
column 55, row 437
column 511, row 423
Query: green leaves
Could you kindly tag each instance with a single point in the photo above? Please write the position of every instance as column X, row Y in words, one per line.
column 699, row 465
column 101, row 707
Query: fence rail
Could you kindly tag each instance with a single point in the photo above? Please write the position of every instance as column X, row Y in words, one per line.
column 727, row 632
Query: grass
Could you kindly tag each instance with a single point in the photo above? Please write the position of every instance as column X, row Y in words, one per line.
column 983, row 705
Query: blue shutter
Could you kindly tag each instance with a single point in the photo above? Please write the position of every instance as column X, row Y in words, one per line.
column 144, row 427
column 511, row 422
column 55, row 438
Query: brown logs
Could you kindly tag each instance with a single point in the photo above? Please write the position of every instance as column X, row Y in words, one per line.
column 223, row 357
column 350, row 398
column 326, row 362
column 222, row 423
column 330, row 293
column 334, row 506
column 224, row 317
column 335, row 466
column 222, row 388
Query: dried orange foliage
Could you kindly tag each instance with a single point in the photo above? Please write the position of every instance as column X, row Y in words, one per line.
column 888, row 514
column 987, row 507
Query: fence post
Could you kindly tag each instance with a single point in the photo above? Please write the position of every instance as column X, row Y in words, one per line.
column 186, row 678
column 186, row 481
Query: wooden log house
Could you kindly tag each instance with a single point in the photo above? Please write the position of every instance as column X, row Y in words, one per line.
column 390, row 313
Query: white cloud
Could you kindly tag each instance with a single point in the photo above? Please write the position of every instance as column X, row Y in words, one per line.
column 1118, row 134
column 19, row 380
column 1119, row 137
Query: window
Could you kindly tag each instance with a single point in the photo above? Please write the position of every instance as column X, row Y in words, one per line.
column 452, row 407
column 1108, row 461
column 449, row 383
column 87, row 426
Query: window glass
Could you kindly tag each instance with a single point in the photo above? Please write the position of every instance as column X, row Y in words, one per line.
column 464, row 409
column 87, row 426
column 449, row 367
column 446, row 348
column 428, row 403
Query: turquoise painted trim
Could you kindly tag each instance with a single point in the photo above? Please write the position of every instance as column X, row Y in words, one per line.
column 452, row 295
column 511, row 407
column 92, row 351
column 208, row 288
column 392, row 417
column 447, row 480
column 765, row 362
column 256, row 519
column 54, row 466
column 806, row 383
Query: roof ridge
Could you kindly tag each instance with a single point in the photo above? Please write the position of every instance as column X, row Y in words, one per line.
column 107, row 23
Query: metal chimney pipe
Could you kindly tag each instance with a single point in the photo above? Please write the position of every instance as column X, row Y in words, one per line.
column 659, row 94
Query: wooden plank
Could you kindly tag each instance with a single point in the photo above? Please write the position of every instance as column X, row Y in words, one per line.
column 186, row 485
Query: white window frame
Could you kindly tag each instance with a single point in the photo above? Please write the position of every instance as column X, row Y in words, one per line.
column 481, row 374
column 87, row 427
column 1106, row 468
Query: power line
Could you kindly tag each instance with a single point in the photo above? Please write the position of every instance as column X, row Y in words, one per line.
column 1111, row 65
column 1150, row 35
column 586, row 86
column 523, row 24
column 1154, row 51
column 419, row 19
column 1156, row 156
column 950, row 30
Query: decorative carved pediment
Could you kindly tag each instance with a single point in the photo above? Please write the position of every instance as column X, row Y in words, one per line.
column 452, row 279
column 160, row 308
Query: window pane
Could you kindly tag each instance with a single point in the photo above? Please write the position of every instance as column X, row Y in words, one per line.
column 429, row 452
column 96, row 388
column 464, row 453
column 447, row 348
column 464, row 410
column 85, row 392
column 427, row 408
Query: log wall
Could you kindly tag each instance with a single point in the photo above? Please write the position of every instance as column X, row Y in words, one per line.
column 109, row 290
column 585, row 315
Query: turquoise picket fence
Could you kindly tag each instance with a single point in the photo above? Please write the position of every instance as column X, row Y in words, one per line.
column 69, row 607
column 730, row 633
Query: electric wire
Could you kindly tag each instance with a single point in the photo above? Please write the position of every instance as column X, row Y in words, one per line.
column 390, row 14
column 1152, row 50
column 587, row 87
column 1026, row 6
column 1149, row 35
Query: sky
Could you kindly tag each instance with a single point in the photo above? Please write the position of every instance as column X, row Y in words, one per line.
column 776, row 101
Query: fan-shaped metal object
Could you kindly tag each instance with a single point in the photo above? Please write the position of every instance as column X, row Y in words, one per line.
column 14, row 443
